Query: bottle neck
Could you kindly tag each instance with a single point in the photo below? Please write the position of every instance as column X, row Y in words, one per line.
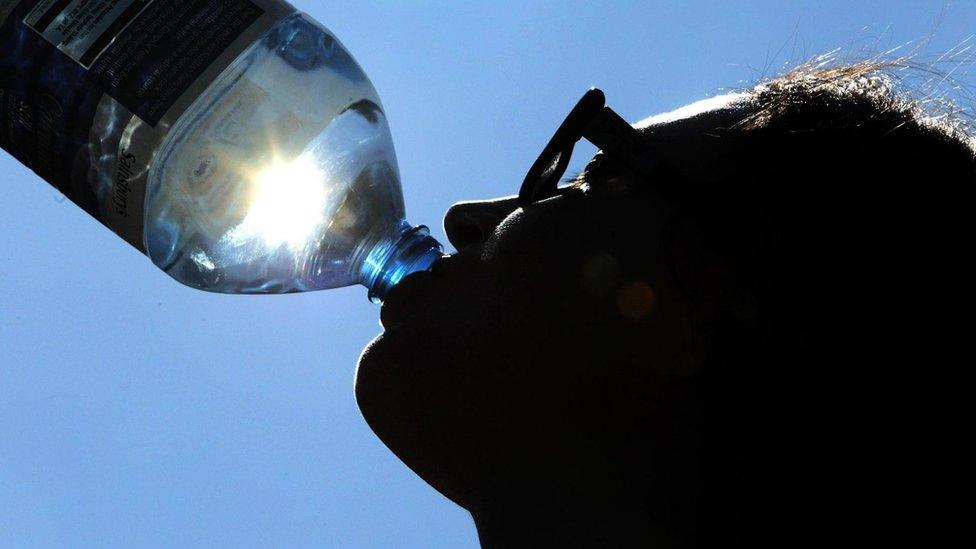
column 392, row 260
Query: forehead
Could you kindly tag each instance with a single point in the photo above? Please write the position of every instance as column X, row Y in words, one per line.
column 697, row 141
column 700, row 111
column 694, row 140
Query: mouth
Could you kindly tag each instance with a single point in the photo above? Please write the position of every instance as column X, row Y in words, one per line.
column 408, row 297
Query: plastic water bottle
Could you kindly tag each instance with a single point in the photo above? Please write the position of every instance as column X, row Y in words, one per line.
column 235, row 142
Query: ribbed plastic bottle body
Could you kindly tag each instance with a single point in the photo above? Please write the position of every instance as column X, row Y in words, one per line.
column 281, row 177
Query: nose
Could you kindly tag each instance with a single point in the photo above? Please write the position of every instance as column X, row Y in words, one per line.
column 469, row 224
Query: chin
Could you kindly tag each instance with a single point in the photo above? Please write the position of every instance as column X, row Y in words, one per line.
column 370, row 367
column 386, row 372
column 376, row 387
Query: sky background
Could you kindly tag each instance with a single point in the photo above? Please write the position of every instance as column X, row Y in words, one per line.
column 135, row 412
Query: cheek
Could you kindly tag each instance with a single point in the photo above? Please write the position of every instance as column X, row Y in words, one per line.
column 445, row 374
column 548, row 267
column 521, row 239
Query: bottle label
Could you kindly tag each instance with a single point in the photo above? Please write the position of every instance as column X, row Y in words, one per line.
column 90, row 88
column 83, row 30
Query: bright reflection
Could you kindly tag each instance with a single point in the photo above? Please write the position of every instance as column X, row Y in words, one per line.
column 286, row 204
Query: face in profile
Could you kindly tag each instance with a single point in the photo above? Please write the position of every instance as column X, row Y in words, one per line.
column 621, row 351
column 554, row 331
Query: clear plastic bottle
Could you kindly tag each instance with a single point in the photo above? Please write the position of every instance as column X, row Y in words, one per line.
column 283, row 177
column 278, row 176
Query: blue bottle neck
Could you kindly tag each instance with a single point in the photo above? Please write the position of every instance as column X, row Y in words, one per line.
column 391, row 260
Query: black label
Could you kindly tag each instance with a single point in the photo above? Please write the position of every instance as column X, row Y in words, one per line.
column 166, row 48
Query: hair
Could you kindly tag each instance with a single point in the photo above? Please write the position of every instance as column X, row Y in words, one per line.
column 868, row 95
column 856, row 257
column 874, row 100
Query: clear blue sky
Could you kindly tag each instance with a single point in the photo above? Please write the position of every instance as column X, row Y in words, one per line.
column 138, row 413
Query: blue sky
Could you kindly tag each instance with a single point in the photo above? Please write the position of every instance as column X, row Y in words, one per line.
column 135, row 412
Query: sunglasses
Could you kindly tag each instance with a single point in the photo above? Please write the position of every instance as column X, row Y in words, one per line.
column 597, row 123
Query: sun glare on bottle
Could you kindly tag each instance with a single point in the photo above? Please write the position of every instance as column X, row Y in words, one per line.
column 287, row 204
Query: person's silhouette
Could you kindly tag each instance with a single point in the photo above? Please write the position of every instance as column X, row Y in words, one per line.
column 732, row 364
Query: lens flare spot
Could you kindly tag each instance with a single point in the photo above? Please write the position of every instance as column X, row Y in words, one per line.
column 635, row 300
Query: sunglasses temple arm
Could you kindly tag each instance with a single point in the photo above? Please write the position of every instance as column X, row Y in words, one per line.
column 621, row 141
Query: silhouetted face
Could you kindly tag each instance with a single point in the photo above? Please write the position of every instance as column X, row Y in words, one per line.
column 553, row 336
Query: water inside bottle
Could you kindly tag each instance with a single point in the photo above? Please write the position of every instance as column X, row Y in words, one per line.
column 282, row 177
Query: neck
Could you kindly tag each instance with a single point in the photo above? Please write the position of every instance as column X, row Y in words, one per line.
column 571, row 524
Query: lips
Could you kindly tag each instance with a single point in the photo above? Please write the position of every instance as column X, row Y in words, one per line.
column 400, row 301
column 415, row 290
